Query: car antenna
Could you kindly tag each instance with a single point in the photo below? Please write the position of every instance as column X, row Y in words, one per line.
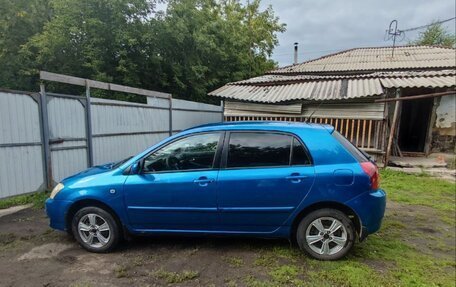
column 313, row 112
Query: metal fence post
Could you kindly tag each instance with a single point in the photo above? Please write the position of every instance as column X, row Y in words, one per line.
column 45, row 137
column 170, row 115
column 89, row 126
column 222, row 105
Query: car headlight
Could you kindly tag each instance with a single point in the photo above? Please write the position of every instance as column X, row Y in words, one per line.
column 56, row 190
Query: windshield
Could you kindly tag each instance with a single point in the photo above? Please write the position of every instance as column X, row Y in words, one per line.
column 119, row 163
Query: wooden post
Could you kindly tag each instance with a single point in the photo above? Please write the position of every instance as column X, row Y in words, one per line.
column 397, row 105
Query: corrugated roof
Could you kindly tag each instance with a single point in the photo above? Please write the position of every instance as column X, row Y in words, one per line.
column 315, row 90
column 323, row 88
column 283, row 79
column 380, row 58
column 370, row 71
column 419, row 82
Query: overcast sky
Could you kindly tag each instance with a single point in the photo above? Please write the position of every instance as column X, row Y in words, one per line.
column 327, row 26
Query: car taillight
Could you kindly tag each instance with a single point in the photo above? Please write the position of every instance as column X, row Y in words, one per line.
column 372, row 171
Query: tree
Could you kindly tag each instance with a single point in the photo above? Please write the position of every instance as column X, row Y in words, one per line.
column 19, row 20
column 206, row 44
column 193, row 47
column 99, row 39
column 436, row 35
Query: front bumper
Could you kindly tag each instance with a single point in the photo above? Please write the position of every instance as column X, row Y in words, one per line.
column 370, row 208
column 57, row 210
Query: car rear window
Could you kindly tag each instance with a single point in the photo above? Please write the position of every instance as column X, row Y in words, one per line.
column 252, row 149
column 299, row 154
column 351, row 148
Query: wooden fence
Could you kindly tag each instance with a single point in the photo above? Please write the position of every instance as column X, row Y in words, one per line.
column 364, row 133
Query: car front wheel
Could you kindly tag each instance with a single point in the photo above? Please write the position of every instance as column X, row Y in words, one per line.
column 95, row 229
column 326, row 234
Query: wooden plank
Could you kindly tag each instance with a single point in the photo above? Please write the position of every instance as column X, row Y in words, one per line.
column 393, row 127
column 47, row 76
column 364, row 133
column 336, row 125
column 357, row 132
column 369, row 134
column 417, row 97
column 377, row 134
column 53, row 77
column 352, row 130
column 368, row 110
column 346, row 128
column 264, row 108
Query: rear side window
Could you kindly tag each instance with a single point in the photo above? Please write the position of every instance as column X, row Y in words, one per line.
column 352, row 149
column 250, row 149
column 299, row 155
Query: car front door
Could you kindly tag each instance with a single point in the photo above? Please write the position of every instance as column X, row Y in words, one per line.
column 264, row 177
column 176, row 187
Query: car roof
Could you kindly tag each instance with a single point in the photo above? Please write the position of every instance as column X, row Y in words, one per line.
column 261, row 125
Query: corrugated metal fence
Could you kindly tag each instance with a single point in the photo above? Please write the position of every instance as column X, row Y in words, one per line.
column 112, row 131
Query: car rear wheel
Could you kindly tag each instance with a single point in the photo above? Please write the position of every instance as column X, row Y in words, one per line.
column 95, row 229
column 326, row 234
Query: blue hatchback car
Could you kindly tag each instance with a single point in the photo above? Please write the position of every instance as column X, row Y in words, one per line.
column 301, row 181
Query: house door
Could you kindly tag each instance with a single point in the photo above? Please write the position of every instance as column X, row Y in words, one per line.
column 414, row 124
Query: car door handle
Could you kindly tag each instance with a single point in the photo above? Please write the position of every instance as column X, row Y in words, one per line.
column 203, row 181
column 296, row 178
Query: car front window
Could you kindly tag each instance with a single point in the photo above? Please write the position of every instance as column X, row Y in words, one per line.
column 190, row 153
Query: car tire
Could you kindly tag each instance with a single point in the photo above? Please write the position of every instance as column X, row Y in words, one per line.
column 95, row 229
column 326, row 234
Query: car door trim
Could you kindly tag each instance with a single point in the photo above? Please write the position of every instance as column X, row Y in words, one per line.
column 279, row 209
column 174, row 209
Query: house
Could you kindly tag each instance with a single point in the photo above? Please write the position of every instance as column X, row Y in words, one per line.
column 357, row 91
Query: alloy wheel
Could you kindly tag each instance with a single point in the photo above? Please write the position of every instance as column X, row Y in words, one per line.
column 94, row 230
column 326, row 236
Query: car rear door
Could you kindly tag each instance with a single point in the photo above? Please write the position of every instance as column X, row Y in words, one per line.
column 263, row 178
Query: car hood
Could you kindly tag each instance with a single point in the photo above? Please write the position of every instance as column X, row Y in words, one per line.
column 89, row 172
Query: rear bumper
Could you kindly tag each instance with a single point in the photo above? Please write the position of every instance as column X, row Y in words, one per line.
column 56, row 210
column 370, row 208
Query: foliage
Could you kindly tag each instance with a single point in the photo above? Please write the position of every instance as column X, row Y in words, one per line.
column 189, row 49
column 36, row 199
column 207, row 43
column 436, row 35
column 19, row 21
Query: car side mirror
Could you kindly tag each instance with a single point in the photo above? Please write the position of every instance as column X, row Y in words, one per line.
column 136, row 167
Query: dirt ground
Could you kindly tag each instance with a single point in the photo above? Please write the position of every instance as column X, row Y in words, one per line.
column 31, row 254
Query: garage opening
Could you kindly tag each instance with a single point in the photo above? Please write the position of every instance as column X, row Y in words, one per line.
column 414, row 122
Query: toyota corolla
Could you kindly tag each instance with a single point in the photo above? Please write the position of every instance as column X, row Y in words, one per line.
column 300, row 181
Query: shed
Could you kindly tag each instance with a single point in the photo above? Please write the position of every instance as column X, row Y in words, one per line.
column 355, row 91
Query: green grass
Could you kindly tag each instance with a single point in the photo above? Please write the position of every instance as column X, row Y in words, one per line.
column 419, row 190
column 386, row 258
column 233, row 261
column 36, row 199
column 175, row 277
